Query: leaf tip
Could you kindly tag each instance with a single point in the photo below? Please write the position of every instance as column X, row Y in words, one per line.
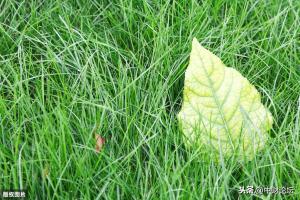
column 195, row 42
column 197, row 48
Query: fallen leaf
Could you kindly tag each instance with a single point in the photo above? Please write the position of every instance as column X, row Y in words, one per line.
column 46, row 171
column 221, row 110
column 99, row 142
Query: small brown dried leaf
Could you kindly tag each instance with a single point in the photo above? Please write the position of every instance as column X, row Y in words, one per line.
column 99, row 142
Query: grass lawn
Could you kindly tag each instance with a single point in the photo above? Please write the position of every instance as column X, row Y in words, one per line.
column 70, row 69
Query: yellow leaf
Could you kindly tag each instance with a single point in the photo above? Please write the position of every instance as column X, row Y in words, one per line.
column 221, row 112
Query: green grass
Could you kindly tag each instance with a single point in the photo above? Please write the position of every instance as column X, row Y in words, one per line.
column 69, row 69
